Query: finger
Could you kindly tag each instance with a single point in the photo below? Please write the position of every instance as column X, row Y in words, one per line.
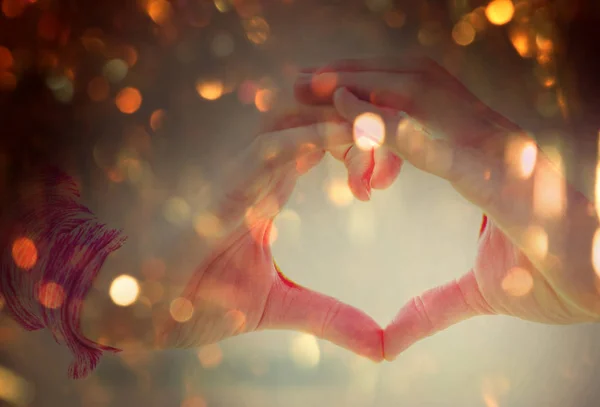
column 386, row 170
column 290, row 306
column 434, row 311
column 359, row 164
column 411, row 64
column 297, row 116
column 405, row 137
column 318, row 89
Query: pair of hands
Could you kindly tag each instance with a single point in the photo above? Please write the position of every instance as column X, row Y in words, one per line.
column 534, row 254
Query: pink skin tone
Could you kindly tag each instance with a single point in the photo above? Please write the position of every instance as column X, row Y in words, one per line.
column 238, row 288
column 511, row 276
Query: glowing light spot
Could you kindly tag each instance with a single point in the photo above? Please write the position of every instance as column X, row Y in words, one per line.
column 24, row 253
column 210, row 356
column 463, row 33
column 522, row 42
column 500, row 12
column 181, row 309
column 596, row 252
column 51, row 295
column 324, row 84
column 549, row 199
column 98, row 89
column 177, row 210
column 210, row 90
column 528, row 159
column 264, row 100
column 369, row 131
column 195, row 401
column 130, row 55
column 307, row 157
column 6, row 58
column 2, row 302
column 517, row 282
column 545, row 45
column 115, row 70
column 305, row 351
column 14, row 390
column 159, row 11
column 13, row 8
column 257, row 30
column 207, row 225
column 236, row 320
column 124, row 290
column 223, row 5
column 339, row 192
column 536, row 240
column 128, row 100
column 157, row 118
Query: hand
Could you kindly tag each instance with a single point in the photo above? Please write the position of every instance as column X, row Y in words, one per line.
column 238, row 288
column 534, row 257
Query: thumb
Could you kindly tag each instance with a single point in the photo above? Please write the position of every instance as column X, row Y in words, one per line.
column 290, row 306
column 434, row 311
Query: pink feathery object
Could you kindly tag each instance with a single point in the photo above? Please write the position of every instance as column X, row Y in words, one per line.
column 52, row 251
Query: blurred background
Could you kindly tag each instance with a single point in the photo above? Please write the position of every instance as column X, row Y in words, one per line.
column 145, row 101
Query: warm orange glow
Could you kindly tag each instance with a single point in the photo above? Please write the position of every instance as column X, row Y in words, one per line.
column 129, row 100
column 156, row 119
column 124, row 290
column 596, row 252
column 536, row 240
column 210, row 356
column 130, row 55
column 207, row 225
column 51, row 295
column 369, row 131
column 522, row 42
column 13, row 8
column 528, row 159
column 273, row 234
column 263, row 100
column 181, row 309
column 195, row 401
column 98, row 89
column 549, row 198
column 463, row 33
column 24, row 253
column 500, row 12
column 159, row 11
column 210, row 90
column 544, row 44
column 257, row 30
column 6, row 58
column 339, row 192
column 517, row 282
column 323, row 85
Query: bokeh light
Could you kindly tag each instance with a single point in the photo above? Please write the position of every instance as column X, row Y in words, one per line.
column 124, row 290
column 257, row 30
column 536, row 240
column 517, row 282
column 129, row 100
column 24, row 253
column 305, row 351
column 181, row 309
column 500, row 12
column 339, row 192
column 369, row 131
column 210, row 90
column 596, row 252
column 463, row 33
column 210, row 356
column 51, row 295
